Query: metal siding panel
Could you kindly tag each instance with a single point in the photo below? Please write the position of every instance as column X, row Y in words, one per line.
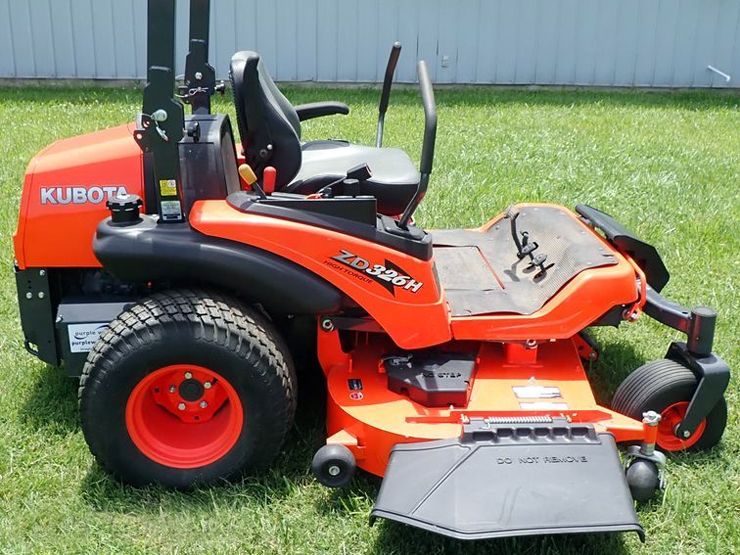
column 626, row 42
column 685, row 41
column 735, row 68
column 487, row 53
column 585, row 60
column 565, row 61
column 7, row 62
column 368, row 43
column 346, row 33
column 506, row 53
column 448, row 33
column 286, row 23
column 646, row 40
column 182, row 32
column 408, row 34
column 123, row 39
column 387, row 34
column 223, row 41
column 326, row 47
column 724, row 42
column 587, row 42
column 665, row 45
column 428, row 38
column 706, row 20
column 606, row 49
column 20, row 19
column 467, row 33
column 267, row 34
column 83, row 33
column 306, row 41
column 42, row 37
column 245, row 26
column 526, row 44
column 103, row 39
column 548, row 36
column 138, row 9
column 62, row 38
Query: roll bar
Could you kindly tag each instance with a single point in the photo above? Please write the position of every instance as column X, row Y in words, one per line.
column 385, row 95
column 161, row 123
column 200, row 77
column 427, row 148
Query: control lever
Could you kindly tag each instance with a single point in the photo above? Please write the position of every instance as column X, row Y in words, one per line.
column 247, row 174
column 350, row 182
column 525, row 247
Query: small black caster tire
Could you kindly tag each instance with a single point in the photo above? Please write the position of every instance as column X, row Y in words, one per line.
column 334, row 465
column 643, row 479
column 666, row 387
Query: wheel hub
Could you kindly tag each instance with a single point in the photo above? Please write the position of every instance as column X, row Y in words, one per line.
column 175, row 419
column 193, row 395
column 671, row 417
column 191, row 390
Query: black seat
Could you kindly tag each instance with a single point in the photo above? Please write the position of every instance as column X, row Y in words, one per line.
column 270, row 130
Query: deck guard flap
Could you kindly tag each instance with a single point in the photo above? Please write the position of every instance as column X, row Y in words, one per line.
column 509, row 480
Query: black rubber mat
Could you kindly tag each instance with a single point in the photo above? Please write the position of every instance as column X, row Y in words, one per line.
column 482, row 274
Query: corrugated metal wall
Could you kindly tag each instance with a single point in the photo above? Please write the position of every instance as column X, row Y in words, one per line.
column 570, row 42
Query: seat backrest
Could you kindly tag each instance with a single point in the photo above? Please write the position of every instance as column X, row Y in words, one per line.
column 268, row 124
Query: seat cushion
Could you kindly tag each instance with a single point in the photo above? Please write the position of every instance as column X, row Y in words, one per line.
column 394, row 177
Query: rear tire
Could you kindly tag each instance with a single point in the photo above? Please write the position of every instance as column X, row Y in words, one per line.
column 666, row 387
column 147, row 384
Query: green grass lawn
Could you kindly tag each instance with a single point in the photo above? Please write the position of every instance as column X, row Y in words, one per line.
column 668, row 165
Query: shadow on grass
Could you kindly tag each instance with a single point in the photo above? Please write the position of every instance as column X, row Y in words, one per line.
column 396, row 538
column 52, row 404
column 290, row 471
column 616, row 360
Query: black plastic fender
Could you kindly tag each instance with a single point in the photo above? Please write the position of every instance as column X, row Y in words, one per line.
column 146, row 251
column 644, row 254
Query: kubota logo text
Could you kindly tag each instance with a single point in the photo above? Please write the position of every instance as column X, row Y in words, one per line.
column 81, row 195
column 388, row 275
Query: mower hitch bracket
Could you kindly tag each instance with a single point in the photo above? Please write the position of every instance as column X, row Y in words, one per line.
column 696, row 354
column 714, row 376
column 697, row 323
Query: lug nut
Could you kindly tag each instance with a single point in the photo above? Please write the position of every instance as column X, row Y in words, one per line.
column 29, row 295
column 203, row 404
column 188, row 375
column 334, row 470
column 181, row 406
column 172, row 389
column 686, row 434
column 207, row 385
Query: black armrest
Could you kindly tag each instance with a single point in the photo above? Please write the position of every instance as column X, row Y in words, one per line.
column 319, row 109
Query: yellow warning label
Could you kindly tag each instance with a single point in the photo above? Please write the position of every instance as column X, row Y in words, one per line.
column 167, row 187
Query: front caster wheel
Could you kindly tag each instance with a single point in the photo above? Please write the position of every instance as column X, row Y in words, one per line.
column 643, row 479
column 334, row 465
column 666, row 387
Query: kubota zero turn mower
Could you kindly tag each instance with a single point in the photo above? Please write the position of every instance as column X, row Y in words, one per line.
column 167, row 269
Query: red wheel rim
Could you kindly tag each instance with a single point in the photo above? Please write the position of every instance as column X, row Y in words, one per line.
column 184, row 416
column 670, row 418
